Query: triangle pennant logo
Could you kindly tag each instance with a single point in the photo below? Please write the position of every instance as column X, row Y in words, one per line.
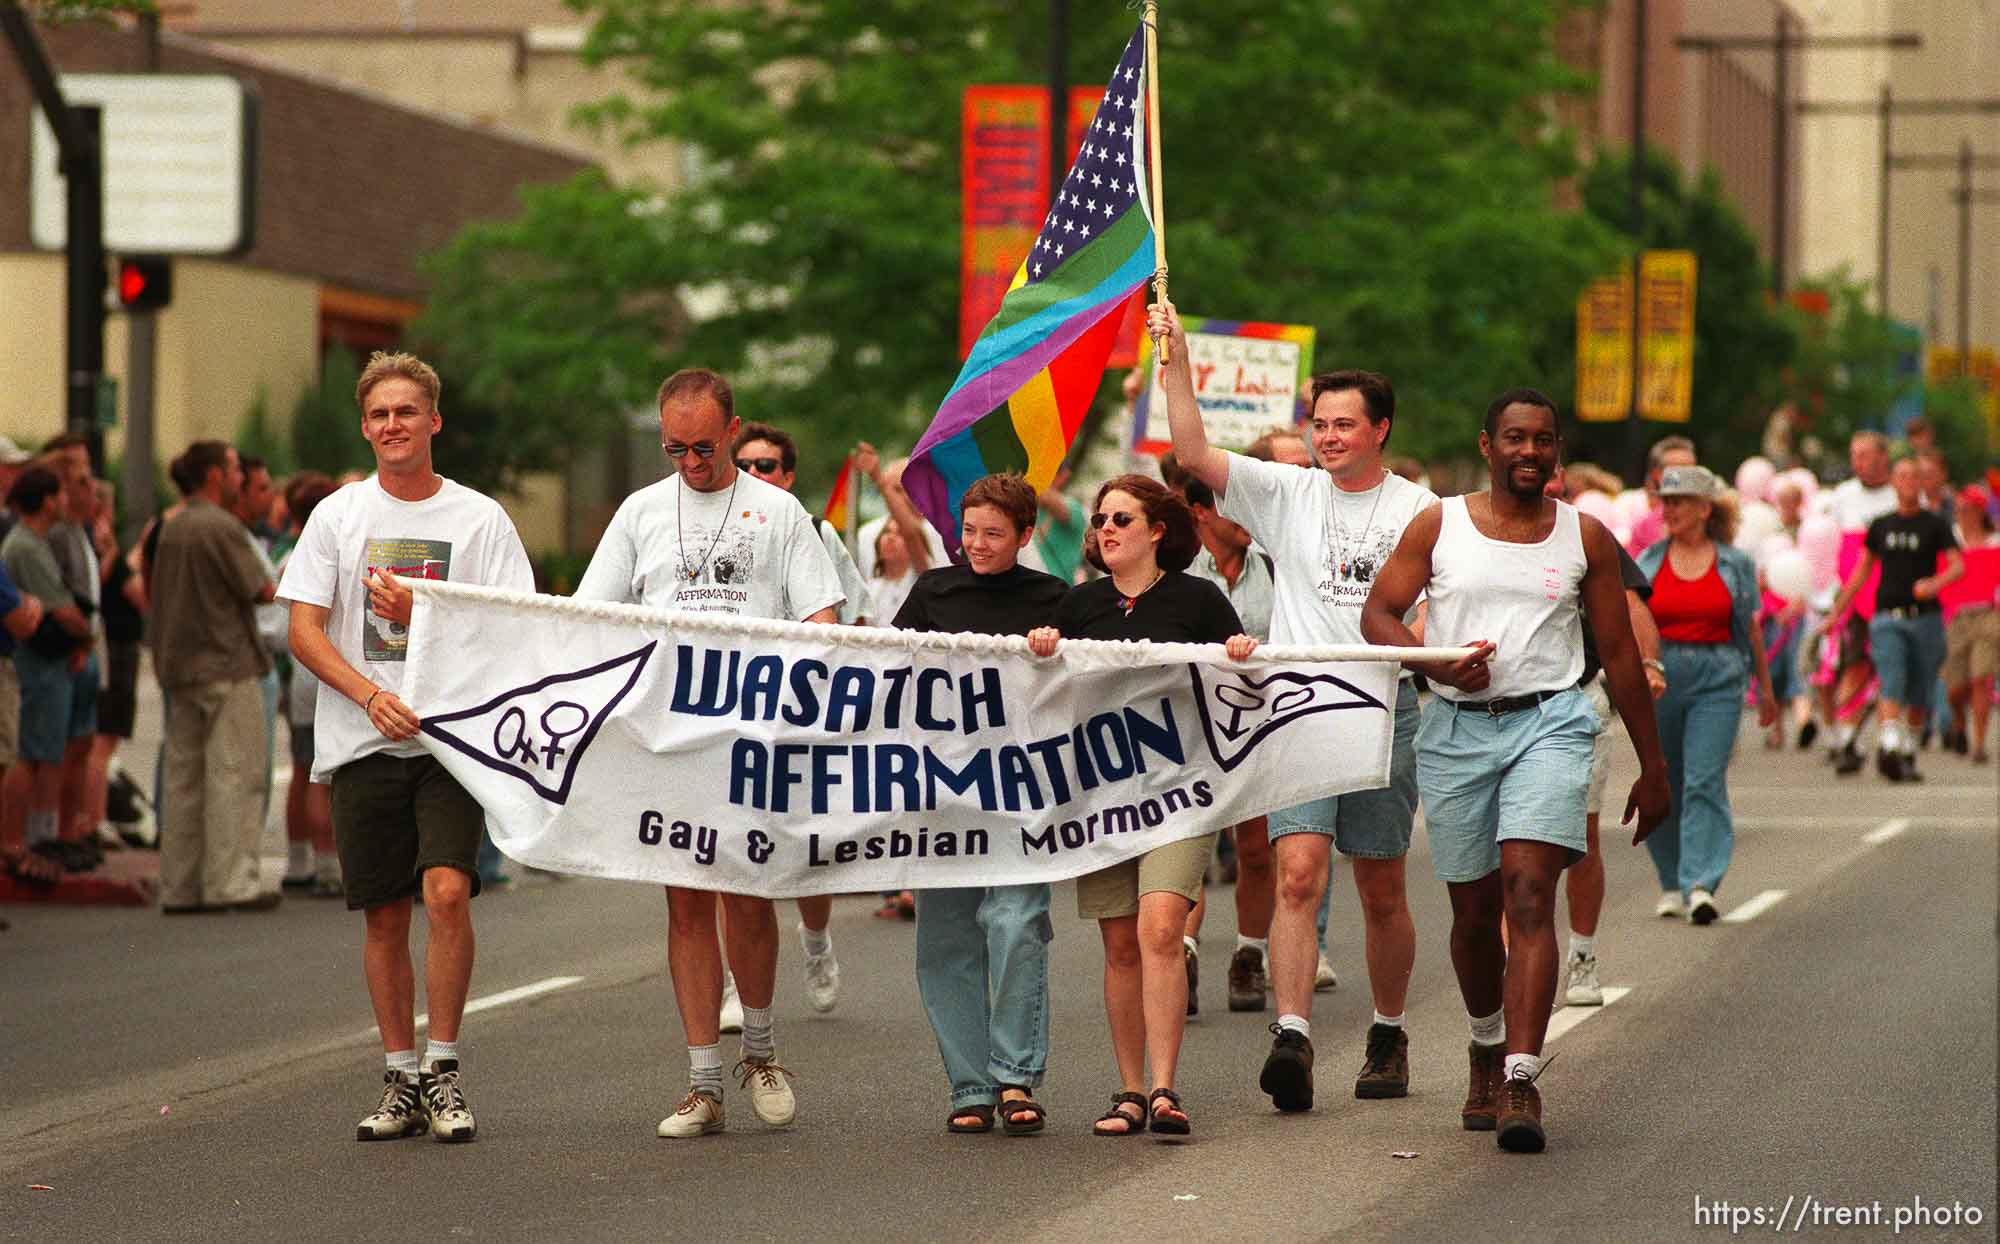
column 1238, row 712
column 539, row 732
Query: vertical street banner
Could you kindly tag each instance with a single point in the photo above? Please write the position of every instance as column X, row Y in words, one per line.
column 1666, row 335
column 1604, row 349
column 1248, row 377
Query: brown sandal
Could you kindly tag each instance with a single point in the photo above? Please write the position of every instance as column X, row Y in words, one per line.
column 1011, row 1116
column 1133, row 1126
column 981, row 1112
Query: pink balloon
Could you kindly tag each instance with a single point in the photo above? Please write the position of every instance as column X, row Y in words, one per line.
column 1598, row 506
column 1819, row 544
column 1753, row 478
column 1807, row 482
column 1771, row 547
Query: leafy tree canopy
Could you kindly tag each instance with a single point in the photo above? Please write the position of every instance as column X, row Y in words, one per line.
column 1381, row 170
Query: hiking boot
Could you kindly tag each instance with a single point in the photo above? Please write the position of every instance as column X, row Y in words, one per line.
column 1482, row 1094
column 1385, row 1068
column 1520, row 1123
column 451, row 1118
column 1580, row 981
column 697, row 1115
column 770, row 1097
column 1192, row 958
column 1247, row 985
column 400, row 1114
column 1288, row 1071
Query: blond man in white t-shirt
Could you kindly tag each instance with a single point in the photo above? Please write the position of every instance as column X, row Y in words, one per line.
column 402, row 825
column 1328, row 529
column 713, row 538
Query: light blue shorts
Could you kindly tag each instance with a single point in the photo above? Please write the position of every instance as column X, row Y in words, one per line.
column 1908, row 653
column 1487, row 778
column 1369, row 824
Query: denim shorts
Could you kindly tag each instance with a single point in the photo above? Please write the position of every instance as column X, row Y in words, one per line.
column 1523, row 775
column 1908, row 653
column 1368, row 824
column 56, row 705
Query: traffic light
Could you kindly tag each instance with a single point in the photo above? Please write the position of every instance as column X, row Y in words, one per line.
column 145, row 282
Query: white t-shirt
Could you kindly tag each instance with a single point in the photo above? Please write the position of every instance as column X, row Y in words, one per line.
column 852, row 585
column 1326, row 543
column 749, row 549
column 886, row 597
column 1855, row 505
column 455, row 534
column 864, row 547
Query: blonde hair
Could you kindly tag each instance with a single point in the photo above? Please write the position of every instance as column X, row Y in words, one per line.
column 382, row 365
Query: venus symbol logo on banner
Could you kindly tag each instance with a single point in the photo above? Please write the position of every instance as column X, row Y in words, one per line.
column 538, row 733
column 1238, row 712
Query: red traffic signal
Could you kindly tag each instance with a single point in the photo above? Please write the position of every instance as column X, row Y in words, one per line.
column 145, row 282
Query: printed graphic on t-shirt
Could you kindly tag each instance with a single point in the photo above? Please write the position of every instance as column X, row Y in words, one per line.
column 381, row 639
column 718, row 581
column 1350, row 570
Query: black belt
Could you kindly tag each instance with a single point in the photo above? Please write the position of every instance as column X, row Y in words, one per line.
column 1506, row 703
column 1905, row 611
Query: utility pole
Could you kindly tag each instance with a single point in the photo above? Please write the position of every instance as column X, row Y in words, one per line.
column 1781, row 45
column 135, row 484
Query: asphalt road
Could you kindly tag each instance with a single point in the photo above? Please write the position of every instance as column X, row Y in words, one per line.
column 199, row 1078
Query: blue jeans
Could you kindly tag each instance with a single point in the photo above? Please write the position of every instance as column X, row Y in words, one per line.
column 1908, row 653
column 1698, row 718
column 983, row 973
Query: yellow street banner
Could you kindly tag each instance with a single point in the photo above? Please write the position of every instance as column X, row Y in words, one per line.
column 1604, row 349
column 1666, row 335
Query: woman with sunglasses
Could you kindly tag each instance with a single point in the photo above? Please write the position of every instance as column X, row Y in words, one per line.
column 1143, row 538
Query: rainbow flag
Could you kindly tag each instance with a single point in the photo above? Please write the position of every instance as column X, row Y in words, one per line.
column 1030, row 378
column 838, row 500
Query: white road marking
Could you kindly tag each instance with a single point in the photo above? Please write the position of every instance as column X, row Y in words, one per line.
column 1569, row 1017
column 1757, row 906
column 1885, row 831
column 503, row 998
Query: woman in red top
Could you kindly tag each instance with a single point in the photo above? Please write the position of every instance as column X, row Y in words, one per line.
column 1705, row 599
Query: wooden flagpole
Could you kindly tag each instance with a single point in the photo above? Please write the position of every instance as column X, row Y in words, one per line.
column 1152, row 22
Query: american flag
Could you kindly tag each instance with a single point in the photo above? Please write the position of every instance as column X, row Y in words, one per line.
column 1109, row 170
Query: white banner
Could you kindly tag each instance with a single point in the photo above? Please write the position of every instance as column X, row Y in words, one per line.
column 784, row 759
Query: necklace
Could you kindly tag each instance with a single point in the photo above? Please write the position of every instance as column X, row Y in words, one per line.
column 1336, row 532
column 680, row 532
column 1127, row 602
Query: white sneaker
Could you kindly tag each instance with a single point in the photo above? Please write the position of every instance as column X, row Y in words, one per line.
column 1701, row 907
column 1669, row 907
column 822, row 977
column 1582, row 989
column 1323, row 978
column 770, row 1095
column 697, row 1115
column 732, row 1006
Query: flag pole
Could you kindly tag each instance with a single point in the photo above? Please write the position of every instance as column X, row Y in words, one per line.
column 851, row 521
column 1152, row 23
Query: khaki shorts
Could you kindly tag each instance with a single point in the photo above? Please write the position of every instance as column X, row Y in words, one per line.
column 10, row 712
column 1972, row 646
column 1600, row 748
column 1177, row 868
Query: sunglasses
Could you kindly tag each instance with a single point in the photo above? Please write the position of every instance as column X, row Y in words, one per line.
column 1120, row 519
column 762, row 466
column 677, row 451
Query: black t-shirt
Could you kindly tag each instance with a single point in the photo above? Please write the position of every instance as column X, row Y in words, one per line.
column 956, row 600
column 1635, row 581
column 1179, row 609
column 122, row 622
column 1907, row 546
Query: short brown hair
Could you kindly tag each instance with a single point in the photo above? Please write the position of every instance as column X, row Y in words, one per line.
column 304, row 492
column 1378, row 396
column 1009, row 494
column 1178, row 543
column 382, row 365
column 788, row 450
column 693, row 382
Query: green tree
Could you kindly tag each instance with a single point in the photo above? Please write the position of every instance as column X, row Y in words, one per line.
column 326, row 427
column 1381, row 170
column 1743, row 341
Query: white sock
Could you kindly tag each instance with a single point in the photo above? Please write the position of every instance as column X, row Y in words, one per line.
column 41, row 826
column 1489, row 1029
column 1194, row 947
column 439, row 1051
column 404, row 1061
column 1844, row 733
column 705, row 1069
column 1388, row 1021
column 1581, row 946
column 1296, row 1023
column 1525, row 1066
column 1262, row 945
column 1891, row 738
column 758, row 1040
column 298, row 859
column 815, row 941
